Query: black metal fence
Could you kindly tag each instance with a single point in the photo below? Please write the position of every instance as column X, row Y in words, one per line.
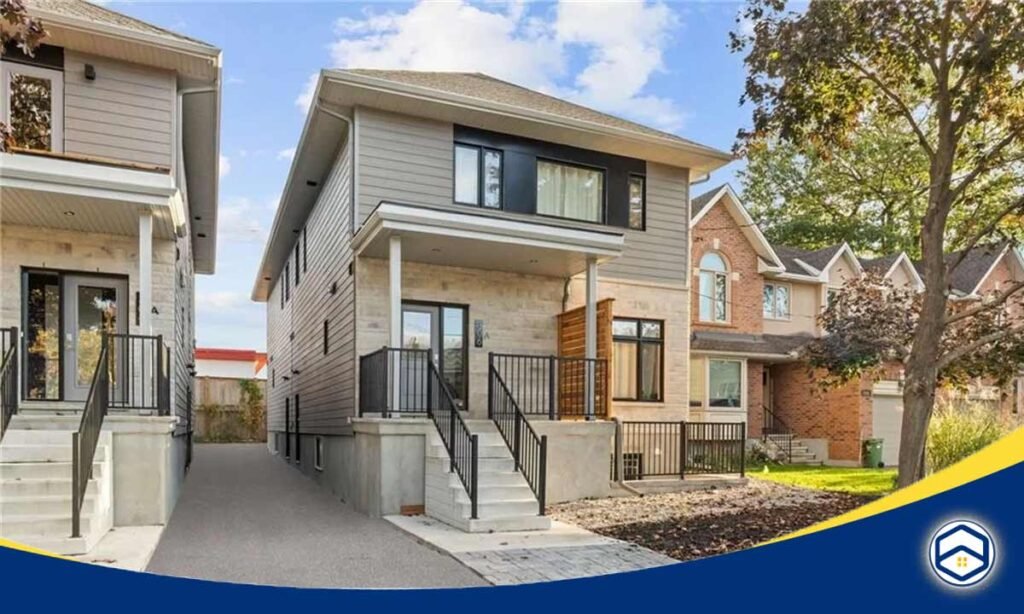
column 85, row 439
column 555, row 386
column 140, row 372
column 462, row 446
column 393, row 381
column 8, row 377
column 676, row 449
column 529, row 451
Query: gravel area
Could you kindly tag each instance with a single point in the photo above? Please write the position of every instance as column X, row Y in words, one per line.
column 697, row 524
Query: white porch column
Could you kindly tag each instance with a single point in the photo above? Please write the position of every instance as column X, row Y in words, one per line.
column 146, row 272
column 590, row 334
column 395, row 314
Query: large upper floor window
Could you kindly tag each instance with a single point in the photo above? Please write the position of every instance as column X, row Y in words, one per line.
column 777, row 301
column 32, row 104
column 637, row 360
column 478, row 176
column 713, row 288
column 573, row 192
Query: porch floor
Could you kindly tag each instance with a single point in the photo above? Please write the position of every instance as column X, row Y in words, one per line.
column 246, row 516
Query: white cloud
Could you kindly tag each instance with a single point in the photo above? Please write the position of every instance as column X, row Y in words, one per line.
column 286, row 154
column 305, row 98
column 621, row 45
column 243, row 220
column 225, row 165
column 220, row 301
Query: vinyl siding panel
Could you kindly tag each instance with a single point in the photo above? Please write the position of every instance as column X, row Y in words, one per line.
column 658, row 254
column 183, row 348
column 325, row 383
column 127, row 113
column 403, row 159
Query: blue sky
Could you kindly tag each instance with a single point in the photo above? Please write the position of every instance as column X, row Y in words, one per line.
column 666, row 64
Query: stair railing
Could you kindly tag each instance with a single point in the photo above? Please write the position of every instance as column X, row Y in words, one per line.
column 777, row 432
column 529, row 451
column 85, row 439
column 8, row 378
column 462, row 445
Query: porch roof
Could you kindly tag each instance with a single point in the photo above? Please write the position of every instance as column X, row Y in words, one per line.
column 490, row 241
column 781, row 347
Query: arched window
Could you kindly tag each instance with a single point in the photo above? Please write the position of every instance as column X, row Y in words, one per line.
column 714, row 288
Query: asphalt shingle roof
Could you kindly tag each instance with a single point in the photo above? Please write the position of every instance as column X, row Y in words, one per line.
column 748, row 344
column 817, row 258
column 966, row 277
column 485, row 87
column 697, row 203
column 91, row 12
column 879, row 265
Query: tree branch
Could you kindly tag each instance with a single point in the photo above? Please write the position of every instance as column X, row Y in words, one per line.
column 904, row 109
column 986, row 231
column 983, row 164
column 998, row 301
column 966, row 350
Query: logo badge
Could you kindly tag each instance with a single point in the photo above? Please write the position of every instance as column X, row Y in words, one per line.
column 962, row 553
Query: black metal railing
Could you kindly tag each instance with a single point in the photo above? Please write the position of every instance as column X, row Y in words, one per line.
column 529, row 451
column 677, row 449
column 85, row 439
column 140, row 373
column 8, row 377
column 777, row 433
column 461, row 444
column 555, row 386
column 394, row 381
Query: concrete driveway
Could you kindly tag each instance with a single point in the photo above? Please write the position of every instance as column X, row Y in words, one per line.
column 246, row 516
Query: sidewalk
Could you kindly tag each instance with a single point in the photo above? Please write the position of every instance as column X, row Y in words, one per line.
column 561, row 553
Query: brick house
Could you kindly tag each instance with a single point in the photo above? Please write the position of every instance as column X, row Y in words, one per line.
column 755, row 304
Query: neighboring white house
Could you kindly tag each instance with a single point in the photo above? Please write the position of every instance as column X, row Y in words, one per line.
column 232, row 364
column 109, row 210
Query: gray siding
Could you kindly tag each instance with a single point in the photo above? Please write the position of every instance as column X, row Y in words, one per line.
column 325, row 383
column 407, row 159
column 183, row 348
column 127, row 113
column 403, row 159
column 661, row 252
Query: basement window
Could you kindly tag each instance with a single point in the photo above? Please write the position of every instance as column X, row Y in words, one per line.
column 318, row 453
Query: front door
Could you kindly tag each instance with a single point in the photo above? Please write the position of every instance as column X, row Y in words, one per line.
column 441, row 330
column 93, row 306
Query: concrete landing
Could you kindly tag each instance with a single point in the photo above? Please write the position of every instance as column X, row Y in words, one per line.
column 127, row 548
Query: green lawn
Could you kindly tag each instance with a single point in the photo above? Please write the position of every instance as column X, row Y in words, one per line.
column 849, row 480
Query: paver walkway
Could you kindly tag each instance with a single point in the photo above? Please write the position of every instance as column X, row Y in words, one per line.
column 246, row 516
column 564, row 552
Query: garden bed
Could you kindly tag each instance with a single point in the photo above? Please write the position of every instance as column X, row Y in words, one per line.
column 698, row 524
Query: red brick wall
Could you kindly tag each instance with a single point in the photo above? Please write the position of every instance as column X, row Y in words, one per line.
column 755, row 398
column 745, row 313
column 839, row 415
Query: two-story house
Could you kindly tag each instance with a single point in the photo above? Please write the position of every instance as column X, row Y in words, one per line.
column 505, row 265
column 108, row 210
column 755, row 305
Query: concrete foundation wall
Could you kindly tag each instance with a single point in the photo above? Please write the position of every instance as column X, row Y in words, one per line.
column 148, row 468
column 579, row 458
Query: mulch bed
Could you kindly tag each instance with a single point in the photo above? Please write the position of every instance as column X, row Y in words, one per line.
column 694, row 525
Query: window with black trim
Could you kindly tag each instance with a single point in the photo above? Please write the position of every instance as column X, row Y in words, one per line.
column 638, row 359
column 637, row 202
column 298, row 246
column 326, row 337
column 478, row 176
column 318, row 453
column 305, row 257
column 287, row 281
column 570, row 191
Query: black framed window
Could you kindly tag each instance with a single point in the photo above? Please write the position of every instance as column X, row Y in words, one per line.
column 326, row 337
column 478, row 176
column 639, row 356
column 637, row 202
column 570, row 191
column 43, row 325
column 287, row 281
column 298, row 253
column 305, row 256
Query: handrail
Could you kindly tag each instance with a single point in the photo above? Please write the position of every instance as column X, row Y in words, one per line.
column 461, row 444
column 8, row 382
column 85, row 439
column 773, row 425
column 381, row 370
column 529, row 451
column 556, row 386
column 140, row 368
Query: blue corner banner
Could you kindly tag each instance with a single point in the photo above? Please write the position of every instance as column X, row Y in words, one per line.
column 951, row 542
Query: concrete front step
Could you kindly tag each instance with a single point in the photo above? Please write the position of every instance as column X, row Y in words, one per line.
column 46, row 525
column 66, row 546
column 518, row 523
column 484, row 465
column 45, row 453
column 24, row 437
column 43, row 471
column 40, row 487
column 45, row 505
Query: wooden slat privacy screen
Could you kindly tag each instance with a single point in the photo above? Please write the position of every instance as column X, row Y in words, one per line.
column 571, row 343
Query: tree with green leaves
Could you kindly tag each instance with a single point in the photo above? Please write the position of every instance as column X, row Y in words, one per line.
column 20, row 30
column 947, row 72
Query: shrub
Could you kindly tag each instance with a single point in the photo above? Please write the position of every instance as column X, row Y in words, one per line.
column 959, row 429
